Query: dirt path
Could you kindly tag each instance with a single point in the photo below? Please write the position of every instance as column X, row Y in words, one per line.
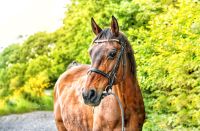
column 34, row 121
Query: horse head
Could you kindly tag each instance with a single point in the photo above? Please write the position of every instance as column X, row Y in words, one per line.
column 108, row 56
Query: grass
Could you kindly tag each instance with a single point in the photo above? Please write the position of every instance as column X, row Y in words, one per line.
column 18, row 104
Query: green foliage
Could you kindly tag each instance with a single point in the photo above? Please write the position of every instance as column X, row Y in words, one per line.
column 35, row 86
column 165, row 35
column 169, row 65
column 29, row 97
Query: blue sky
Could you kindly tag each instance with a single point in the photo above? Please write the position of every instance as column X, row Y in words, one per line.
column 26, row 17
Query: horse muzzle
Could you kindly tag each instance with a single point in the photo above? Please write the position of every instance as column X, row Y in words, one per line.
column 92, row 97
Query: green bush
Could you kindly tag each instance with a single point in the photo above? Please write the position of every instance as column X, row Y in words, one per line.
column 168, row 59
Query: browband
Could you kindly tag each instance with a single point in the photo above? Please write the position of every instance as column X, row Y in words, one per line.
column 106, row 40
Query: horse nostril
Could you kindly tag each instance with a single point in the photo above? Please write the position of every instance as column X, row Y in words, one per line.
column 84, row 94
column 89, row 95
column 92, row 94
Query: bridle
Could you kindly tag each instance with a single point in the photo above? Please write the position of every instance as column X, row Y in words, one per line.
column 112, row 74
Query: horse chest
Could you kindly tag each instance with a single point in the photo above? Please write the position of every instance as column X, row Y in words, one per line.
column 78, row 116
column 107, row 115
column 75, row 114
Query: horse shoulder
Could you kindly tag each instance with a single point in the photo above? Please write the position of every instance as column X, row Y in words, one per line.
column 67, row 106
column 69, row 76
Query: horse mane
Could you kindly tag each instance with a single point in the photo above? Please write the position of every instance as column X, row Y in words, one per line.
column 107, row 34
column 72, row 64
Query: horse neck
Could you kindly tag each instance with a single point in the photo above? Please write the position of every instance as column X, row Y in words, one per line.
column 126, row 89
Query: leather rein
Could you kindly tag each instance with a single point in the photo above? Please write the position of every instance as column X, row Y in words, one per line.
column 112, row 74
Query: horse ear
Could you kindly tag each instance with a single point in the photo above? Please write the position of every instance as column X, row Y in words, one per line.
column 95, row 28
column 114, row 26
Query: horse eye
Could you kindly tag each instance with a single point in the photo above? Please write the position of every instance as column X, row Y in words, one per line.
column 111, row 55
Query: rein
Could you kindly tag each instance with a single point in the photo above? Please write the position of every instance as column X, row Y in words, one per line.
column 112, row 74
column 120, row 105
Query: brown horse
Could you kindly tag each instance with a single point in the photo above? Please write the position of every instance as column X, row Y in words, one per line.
column 80, row 103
